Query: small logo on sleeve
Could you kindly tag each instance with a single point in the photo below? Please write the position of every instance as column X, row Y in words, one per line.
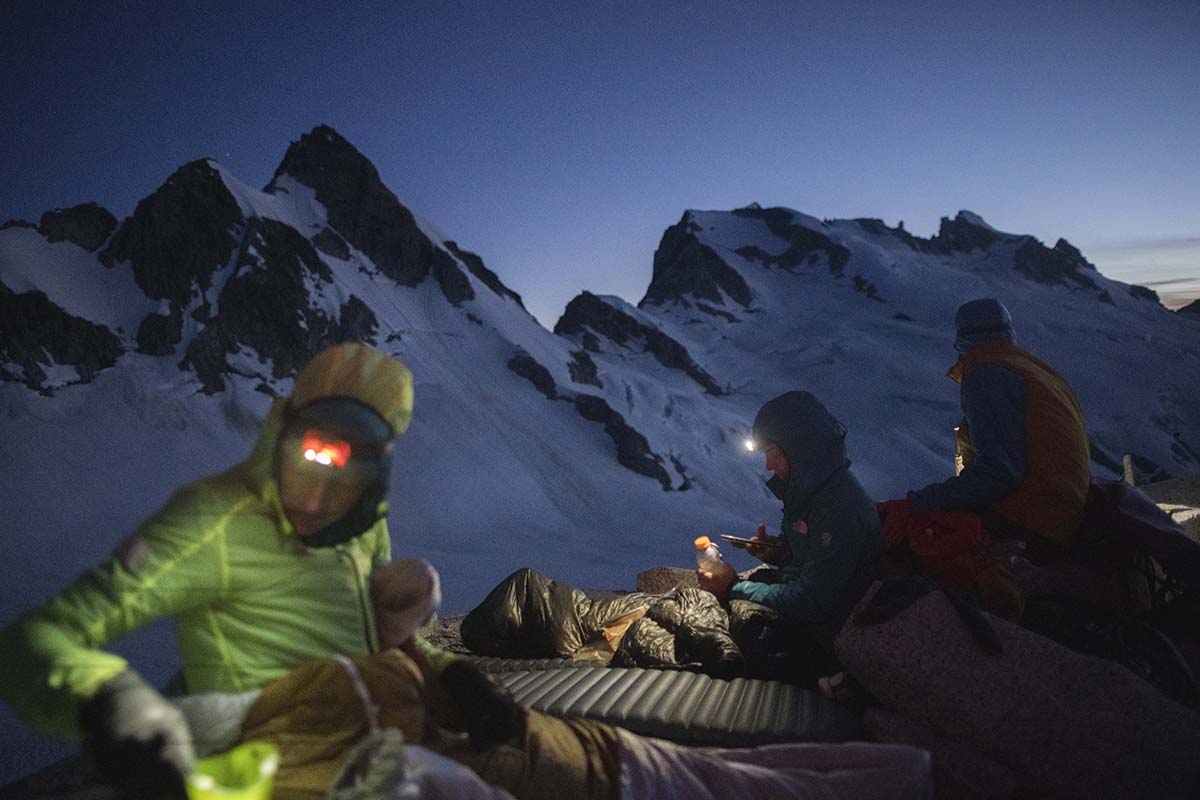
column 132, row 552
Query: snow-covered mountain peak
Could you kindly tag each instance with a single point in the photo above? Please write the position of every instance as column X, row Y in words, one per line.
column 971, row 218
column 590, row 452
column 216, row 292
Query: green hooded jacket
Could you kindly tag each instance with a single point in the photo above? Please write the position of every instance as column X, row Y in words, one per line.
column 250, row 601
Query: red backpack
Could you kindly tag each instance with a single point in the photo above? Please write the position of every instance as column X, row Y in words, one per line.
column 951, row 548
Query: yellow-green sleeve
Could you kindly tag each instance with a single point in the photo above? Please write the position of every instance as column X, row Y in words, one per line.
column 382, row 553
column 53, row 653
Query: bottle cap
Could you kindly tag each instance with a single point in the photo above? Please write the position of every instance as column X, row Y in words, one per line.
column 702, row 542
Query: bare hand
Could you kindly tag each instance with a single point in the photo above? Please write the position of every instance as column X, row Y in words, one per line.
column 717, row 582
column 768, row 551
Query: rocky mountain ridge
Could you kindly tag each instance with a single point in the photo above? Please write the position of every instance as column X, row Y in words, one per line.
column 138, row 356
column 242, row 283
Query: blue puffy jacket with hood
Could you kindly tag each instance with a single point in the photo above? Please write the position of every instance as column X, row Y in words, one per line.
column 830, row 525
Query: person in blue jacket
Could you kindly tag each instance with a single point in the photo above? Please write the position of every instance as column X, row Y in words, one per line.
column 1023, row 461
column 828, row 549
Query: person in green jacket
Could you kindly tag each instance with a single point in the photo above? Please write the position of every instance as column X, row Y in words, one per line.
column 263, row 567
column 828, row 550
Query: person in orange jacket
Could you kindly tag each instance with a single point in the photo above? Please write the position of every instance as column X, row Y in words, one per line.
column 1022, row 448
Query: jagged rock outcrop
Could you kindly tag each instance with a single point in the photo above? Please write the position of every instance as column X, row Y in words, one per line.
column 964, row 233
column 531, row 370
column 453, row 280
column 158, row 334
column 490, row 279
column 879, row 228
column 179, row 236
column 35, row 334
column 265, row 305
column 633, row 450
column 1143, row 293
column 365, row 214
column 1063, row 264
column 361, row 209
column 806, row 247
column 684, row 267
column 88, row 225
column 1074, row 253
column 332, row 245
column 583, row 369
column 866, row 287
column 587, row 313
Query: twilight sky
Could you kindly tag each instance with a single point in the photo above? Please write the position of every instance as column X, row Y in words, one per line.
column 559, row 140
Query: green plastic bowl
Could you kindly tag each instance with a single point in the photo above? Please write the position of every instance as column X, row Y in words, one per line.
column 246, row 772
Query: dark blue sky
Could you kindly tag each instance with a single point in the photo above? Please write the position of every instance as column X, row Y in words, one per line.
column 559, row 140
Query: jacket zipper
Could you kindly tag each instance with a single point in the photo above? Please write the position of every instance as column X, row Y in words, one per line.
column 362, row 601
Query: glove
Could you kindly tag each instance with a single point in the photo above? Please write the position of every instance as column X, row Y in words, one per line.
column 487, row 709
column 140, row 742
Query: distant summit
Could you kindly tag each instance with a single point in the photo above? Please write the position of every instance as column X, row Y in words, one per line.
column 365, row 214
column 361, row 210
column 129, row 369
column 229, row 268
column 223, row 285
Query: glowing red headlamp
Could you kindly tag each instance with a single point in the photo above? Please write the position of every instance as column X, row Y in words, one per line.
column 320, row 449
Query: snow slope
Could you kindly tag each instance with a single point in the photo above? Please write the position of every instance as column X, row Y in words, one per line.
column 589, row 453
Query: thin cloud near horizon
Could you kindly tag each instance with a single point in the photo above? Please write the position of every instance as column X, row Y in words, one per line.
column 1169, row 243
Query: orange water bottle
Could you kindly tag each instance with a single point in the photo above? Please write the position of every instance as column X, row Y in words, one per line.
column 708, row 555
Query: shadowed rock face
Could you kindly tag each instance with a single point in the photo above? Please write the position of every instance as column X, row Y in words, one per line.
column 587, row 313
column 1062, row 264
column 633, row 450
column 88, row 225
column 36, row 333
column 265, row 305
column 361, row 209
column 364, row 213
column 454, row 283
column 879, row 228
column 583, row 369
column 1192, row 309
column 159, row 333
column 684, row 266
column 531, row 370
column 1142, row 293
column 961, row 235
column 332, row 245
column 805, row 246
column 485, row 275
column 179, row 236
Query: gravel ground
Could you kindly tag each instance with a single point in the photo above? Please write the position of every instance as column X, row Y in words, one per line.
column 445, row 634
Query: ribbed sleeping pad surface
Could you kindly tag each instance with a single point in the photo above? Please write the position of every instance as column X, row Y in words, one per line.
column 493, row 664
column 685, row 707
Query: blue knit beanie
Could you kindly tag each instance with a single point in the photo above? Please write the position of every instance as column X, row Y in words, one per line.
column 981, row 321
